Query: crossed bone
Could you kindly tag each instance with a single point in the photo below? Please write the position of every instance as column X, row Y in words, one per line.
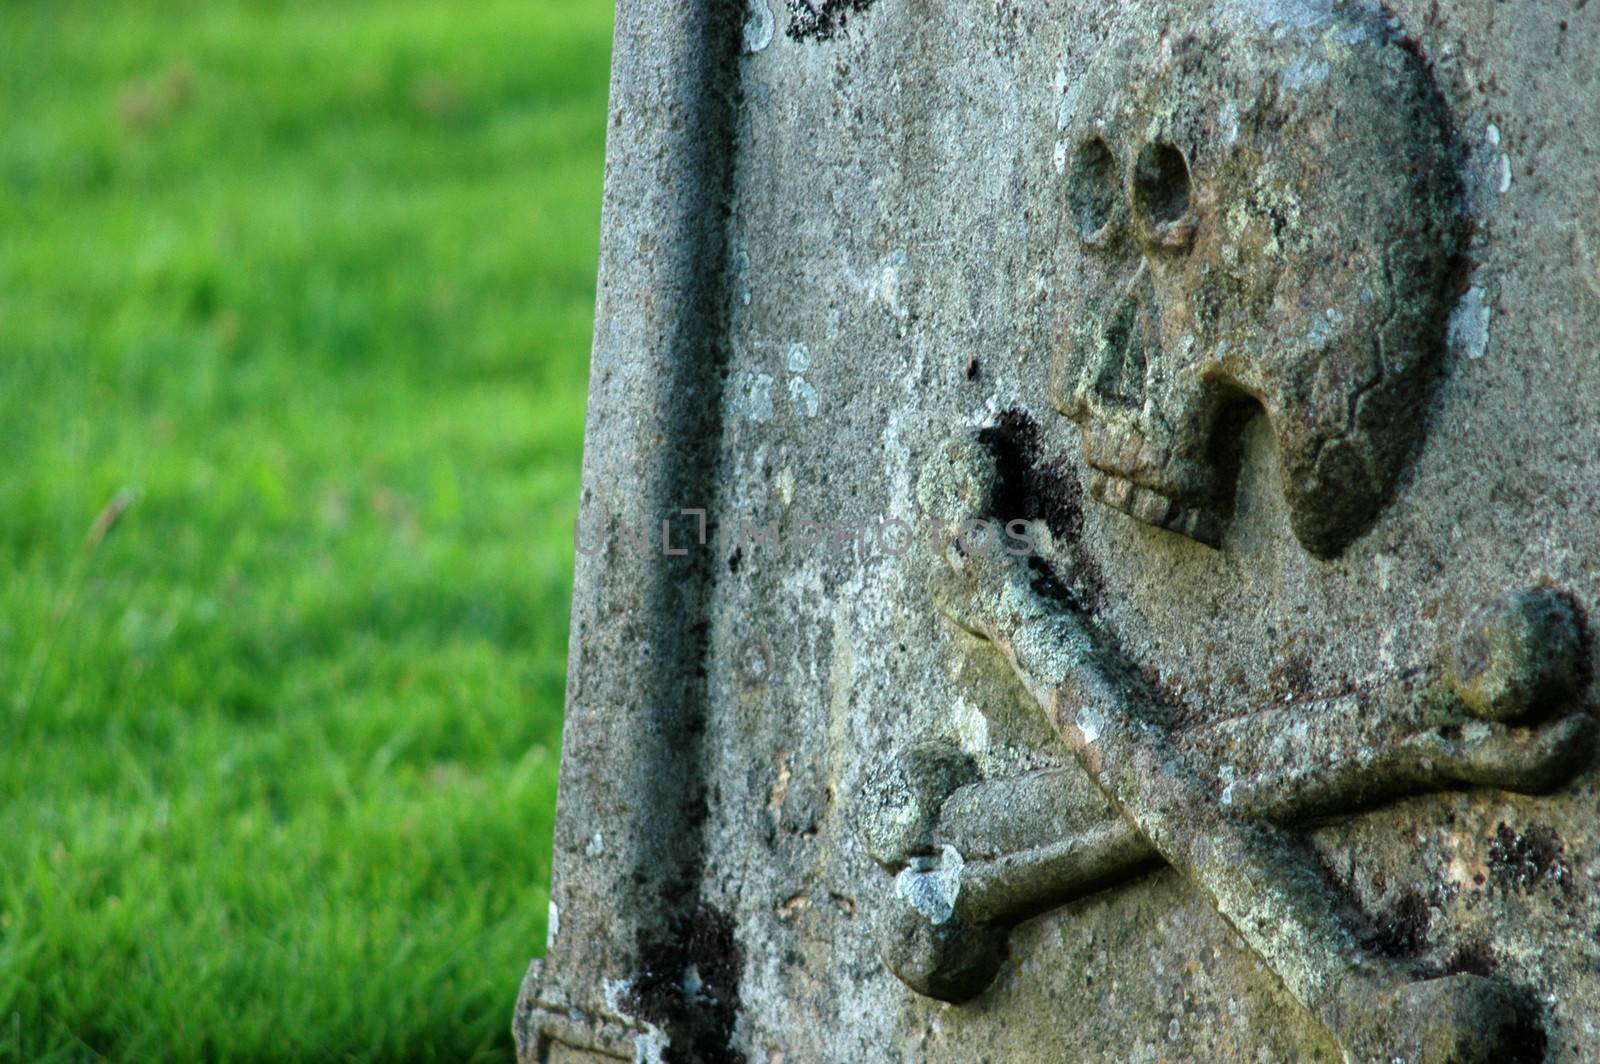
column 973, row 857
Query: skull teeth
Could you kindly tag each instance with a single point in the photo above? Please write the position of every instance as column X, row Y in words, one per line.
column 1157, row 509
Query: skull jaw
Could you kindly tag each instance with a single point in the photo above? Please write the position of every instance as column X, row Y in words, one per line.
column 1153, row 508
column 1184, row 482
column 1137, row 475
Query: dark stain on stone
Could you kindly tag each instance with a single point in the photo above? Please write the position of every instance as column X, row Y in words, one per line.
column 1292, row 679
column 734, row 559
column 1523, row 861
column 1045, row 583
column 821, row 20
column 1033, row 488
column 1013, row 439
column 689, row 987
column 1403, row 930
column 1060, row 496
column 1472, row 958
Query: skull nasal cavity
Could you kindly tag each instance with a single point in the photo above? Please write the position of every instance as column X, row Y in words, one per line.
column 1161, row 183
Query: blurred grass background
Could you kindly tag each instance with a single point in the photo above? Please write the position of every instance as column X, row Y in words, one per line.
column 309, row 284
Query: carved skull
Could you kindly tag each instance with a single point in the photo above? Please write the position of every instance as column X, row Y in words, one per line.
column 1266, row 205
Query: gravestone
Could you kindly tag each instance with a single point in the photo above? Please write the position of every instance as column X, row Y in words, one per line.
column 1089, row 539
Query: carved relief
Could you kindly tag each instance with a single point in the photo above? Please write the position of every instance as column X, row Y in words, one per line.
column 1267, row 205
column 1032, row 842
column 971, row 857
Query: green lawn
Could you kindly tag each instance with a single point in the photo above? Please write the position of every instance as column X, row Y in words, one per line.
column 310, row 284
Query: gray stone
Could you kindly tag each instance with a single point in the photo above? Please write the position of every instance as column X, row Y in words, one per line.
column 1240, row 713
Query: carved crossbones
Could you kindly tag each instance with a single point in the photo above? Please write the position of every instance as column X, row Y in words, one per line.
column 1036, row 841
column 974, row 856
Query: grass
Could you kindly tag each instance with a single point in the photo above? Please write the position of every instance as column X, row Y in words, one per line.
column 295, row 303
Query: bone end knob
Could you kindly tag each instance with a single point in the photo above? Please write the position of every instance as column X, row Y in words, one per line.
column 1518, row 654
column 951, row 959
column 903, row 796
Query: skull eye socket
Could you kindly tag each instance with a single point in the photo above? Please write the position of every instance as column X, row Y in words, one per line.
column 1092, row 188
column 1161, row 192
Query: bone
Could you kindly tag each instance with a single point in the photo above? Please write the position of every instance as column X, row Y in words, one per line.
column 1265, row 885
column 1401, row 735
column 1035, row 841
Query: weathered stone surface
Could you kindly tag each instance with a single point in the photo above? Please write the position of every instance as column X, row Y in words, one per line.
column 832, row 255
